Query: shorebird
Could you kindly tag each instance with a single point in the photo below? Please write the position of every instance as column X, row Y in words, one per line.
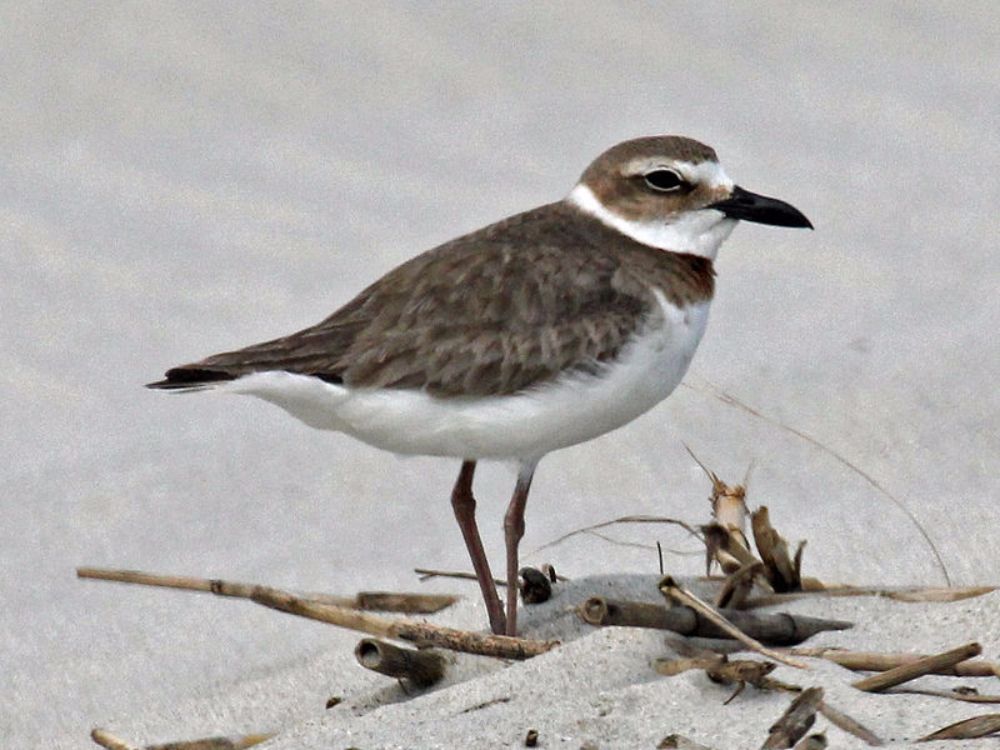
column 544, row 330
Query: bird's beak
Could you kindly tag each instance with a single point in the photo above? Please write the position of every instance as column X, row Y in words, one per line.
column 747, row 206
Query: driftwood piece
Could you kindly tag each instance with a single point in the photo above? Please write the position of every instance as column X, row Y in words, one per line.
column 382, row 601
column 970, row 729
column 422, row 667
column 927, row 665
column 868, row 661
column 796, row 721
column 773, row 629
column 107, row 740
column 422, row 634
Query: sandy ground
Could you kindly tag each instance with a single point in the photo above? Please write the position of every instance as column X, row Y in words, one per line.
column 184, row 178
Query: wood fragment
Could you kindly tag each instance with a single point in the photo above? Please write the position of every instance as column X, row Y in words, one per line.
column 849, row 724
column 970, row 729
column 422, row 634
column 422, row 667
column 670, row 588
column 384, row 601
column 796, row 721
column 868, row 661
column 773, row 629
column 906, row 672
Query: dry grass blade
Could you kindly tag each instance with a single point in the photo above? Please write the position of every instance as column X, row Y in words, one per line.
column 779, row 568
column 918, row 668
column 867, row 661
column 624, row 519
column 970, row 729
column 849, row 724
column 954, row 695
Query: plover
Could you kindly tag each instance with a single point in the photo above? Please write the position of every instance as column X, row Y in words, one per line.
column 544, row 330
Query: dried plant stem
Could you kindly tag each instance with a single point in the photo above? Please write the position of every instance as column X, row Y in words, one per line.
column 421, row 667
column 423, row 634
column 381, row 601
column 970, row 729
column 672, row 590
column 867, row 661
column 918, row 668
column 772, row 629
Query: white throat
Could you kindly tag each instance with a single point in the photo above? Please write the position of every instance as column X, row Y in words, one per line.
column 699, row 232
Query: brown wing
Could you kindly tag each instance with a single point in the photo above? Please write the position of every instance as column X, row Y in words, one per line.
column 495, row 312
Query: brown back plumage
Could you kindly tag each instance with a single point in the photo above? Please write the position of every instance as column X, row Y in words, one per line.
column 491, row 313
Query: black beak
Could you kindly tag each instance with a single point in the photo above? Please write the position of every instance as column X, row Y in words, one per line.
column 747, row 206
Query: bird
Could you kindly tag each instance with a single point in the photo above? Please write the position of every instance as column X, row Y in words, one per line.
column 544, row 330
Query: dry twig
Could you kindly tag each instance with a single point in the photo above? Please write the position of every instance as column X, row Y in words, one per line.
column 381, row 601
column 422, row 634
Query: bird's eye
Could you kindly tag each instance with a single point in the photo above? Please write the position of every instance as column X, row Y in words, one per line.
column 664, row 180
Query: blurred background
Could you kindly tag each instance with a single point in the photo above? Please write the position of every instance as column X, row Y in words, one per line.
column 184, row 178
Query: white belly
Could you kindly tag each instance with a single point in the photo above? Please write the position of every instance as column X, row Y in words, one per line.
column 524, row 426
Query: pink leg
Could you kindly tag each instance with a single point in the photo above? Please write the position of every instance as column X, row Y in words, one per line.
column 464, row 505
column 513, row 526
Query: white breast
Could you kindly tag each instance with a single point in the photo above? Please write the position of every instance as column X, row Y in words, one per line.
column 573, row 409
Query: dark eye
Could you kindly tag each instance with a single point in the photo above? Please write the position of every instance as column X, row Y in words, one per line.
column 664, row 180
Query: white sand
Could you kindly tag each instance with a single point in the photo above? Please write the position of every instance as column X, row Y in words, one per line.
column 182, row 179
